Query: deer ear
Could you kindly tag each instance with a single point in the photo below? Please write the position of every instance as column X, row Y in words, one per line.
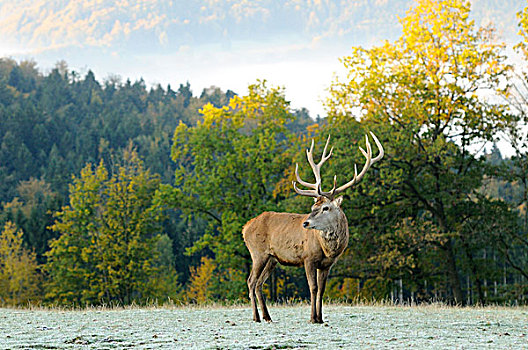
column 315, row 199
column 338, row 201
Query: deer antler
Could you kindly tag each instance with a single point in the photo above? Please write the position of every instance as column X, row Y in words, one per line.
column 316, row 168
column 368, row 163
column 316, row 190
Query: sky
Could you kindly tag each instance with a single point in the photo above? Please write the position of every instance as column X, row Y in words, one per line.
column 230, row 44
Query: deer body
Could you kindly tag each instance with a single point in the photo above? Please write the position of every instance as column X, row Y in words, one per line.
column 314, row 240
column 266, row 235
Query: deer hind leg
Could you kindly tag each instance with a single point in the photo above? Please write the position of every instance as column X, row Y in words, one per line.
column 311, row 276
column 322, row 276
column 256, row 272
column 270, row 265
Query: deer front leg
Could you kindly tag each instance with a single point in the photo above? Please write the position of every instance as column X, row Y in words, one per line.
column 311, row 276
column 322, row 276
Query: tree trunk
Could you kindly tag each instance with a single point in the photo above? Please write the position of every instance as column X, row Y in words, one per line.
column 400, row 295
column 452, row 274
column 468, row 291
column 474, row 272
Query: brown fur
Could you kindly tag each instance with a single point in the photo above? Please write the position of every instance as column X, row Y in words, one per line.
column 280, row 237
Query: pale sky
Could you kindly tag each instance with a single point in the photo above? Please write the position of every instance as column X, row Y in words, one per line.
column 230, row 44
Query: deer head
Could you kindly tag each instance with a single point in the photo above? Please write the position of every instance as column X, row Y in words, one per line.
column 325, row 214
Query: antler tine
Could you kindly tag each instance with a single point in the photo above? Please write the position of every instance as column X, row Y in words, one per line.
column 380, row 147
column 309, row 193
column 329, row 194
column 313, row 191
column 324, row 158
column 368, row 163
column 316, row 168
column 310, row 151
column 301, row 181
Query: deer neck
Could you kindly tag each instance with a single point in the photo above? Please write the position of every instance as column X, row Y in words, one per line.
column 334, row 241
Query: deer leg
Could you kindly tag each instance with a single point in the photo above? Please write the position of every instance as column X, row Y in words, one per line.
column 322, row 276
column 256, row 271
column 311, row 276
column 270, row 265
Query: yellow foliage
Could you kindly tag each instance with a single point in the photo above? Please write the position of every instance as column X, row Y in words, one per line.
column 19, row 276
column 523, row 31
column 199, row 286
column 346, row 289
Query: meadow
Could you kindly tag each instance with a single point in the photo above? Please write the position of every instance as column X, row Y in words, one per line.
column 345, row 327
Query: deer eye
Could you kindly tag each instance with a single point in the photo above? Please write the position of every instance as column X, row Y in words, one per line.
column 325, row 208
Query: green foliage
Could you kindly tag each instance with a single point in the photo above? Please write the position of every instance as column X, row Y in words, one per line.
column 229, row 165
column 164, row 285
column 31, row 211
column 107, row 250
column 20, row 279
column 52, row 124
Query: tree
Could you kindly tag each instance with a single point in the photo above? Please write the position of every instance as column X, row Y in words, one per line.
column 19, row 272
column 107, row 249
column 164, row 284
column 200, row 286
column 31, row 211
column 228, row 167
column 424, row 93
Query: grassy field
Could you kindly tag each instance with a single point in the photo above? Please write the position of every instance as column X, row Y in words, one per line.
column 346, row 327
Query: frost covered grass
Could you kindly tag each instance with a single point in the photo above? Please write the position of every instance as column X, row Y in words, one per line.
column 216, row 327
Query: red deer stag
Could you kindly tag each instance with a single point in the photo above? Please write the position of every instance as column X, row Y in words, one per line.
column 314, row 240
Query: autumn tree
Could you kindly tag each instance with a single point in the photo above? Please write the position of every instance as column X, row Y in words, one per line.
column 106, row 251
column 229, row 165
column 19, row 272
column 426, row 94
column 200, row 287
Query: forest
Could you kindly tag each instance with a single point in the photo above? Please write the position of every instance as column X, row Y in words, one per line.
column 113, row 192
